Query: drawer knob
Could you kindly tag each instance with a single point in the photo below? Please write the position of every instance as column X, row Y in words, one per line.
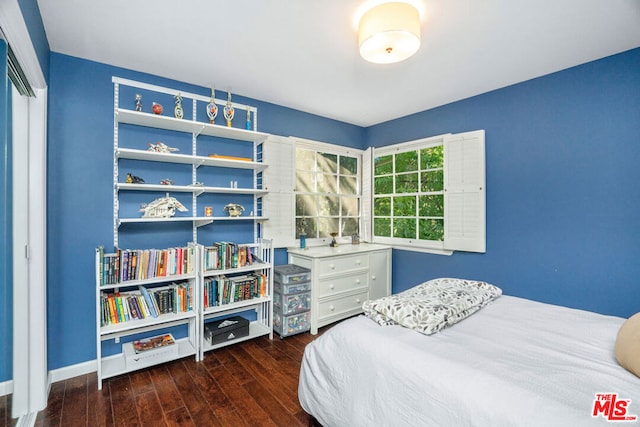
column 357, row 300
column 373, row 277
column 332, row 266
column 331, row 286
column 331, row 308
column 358, row 281
column 358, row 262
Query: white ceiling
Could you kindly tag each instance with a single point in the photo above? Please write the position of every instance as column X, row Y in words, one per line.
column 303, row 54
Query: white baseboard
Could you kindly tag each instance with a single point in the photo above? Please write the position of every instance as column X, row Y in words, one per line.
column 6, row 388
column 67, row 372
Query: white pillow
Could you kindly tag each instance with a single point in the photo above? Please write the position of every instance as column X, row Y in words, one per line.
column 628, row 345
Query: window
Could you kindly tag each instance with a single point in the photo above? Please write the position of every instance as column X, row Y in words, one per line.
column 429, row 194
column 313, row 187
column 327, row 195
column 408, row 200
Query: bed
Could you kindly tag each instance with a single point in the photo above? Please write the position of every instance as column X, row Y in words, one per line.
column 513, row 362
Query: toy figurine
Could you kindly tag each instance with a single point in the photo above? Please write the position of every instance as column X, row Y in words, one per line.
column 333, row 243
column 161, row 148
column 166, row 181
column 248, row 123
column 163, row 207
column 234, row 209
column 132, row 179
column 138, row 102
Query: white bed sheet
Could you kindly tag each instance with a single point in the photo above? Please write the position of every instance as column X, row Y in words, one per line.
column 516, row 362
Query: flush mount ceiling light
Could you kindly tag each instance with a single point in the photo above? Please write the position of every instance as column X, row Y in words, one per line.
column 389, row 32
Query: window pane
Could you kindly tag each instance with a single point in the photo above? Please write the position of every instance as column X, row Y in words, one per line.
column 382, row 227
column 305, row 159
column 349, row 206
column 431, row 205
column 327, row 183
column 305, row 182
column 404, row 206
column 328, row 162
column 383, row 185
column 432, row 158
column 431, row 229
column 404, row 228
column 348, row 165
column 348, row 185
column 349, row 226
column 308, row 225
column 305, row 205
column 329, row 206
column 383, row 165
column 406, row 162
column 407, row 183
column 328, row 225
column 432, row 181
column 382, row 206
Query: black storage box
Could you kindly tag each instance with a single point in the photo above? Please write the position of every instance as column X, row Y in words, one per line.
column 227, row 329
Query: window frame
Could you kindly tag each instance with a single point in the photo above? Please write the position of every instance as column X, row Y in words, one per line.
column 323, row 147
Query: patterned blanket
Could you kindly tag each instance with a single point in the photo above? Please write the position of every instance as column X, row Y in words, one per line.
column 433, row 305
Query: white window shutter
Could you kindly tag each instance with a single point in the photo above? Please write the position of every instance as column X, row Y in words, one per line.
column 465, row 193
column 279, row 181
column 366, row 214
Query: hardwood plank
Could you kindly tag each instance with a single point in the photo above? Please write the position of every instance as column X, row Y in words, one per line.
column 217, row 400
column 99, row 412
column 52, row 414
column 280, row 415
column 243, row 401
column 179, row 418
column 123, row 402
column 149, row 409
column 141, row 382
column 195, row 402
column 168, row 394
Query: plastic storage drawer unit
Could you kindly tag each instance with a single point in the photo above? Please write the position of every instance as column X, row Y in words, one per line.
column 290, row 325
column 290, row 304
column 289, row 273
column 293, row 288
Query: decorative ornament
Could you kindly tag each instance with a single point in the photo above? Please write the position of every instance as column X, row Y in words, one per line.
column 234, row 209
column 166, row 181
column 248, row 122
column 162, row 207
column 156, row 108
column 333, row 243
column 228, row 110
column 132, row 179
column 212, row 108
column 178, row 111
column 161, row 147
column 138, row 102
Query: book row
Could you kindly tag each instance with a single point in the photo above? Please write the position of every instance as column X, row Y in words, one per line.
column 220, row 290
column 225, row 255
column 119, row 307
column 141, row 264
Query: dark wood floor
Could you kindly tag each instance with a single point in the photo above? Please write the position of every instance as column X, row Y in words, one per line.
column 253, row 383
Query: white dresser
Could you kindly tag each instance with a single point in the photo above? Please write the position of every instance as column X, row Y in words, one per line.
column 343, row 278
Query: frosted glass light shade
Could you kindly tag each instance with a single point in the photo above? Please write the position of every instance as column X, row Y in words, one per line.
column 389, row 33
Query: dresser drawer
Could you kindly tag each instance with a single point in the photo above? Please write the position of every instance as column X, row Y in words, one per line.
column 342, row 264
column 336, row 285
column 350, row 304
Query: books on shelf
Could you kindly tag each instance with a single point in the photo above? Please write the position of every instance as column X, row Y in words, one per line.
column 122, row 306
column 221, row 290
column 141, row 264
column 226, row 255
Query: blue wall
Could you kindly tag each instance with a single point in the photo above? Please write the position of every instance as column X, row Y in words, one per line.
column 562, row 157
column 80, row 159
column 35, row 27
column 6, row 243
